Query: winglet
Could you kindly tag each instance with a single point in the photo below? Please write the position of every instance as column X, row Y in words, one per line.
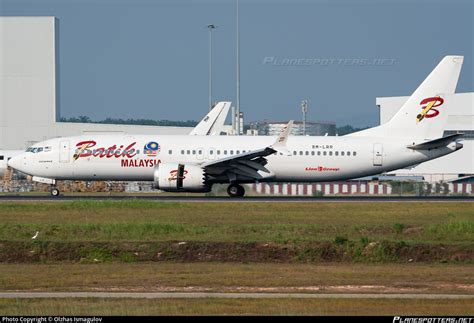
column 280, row 143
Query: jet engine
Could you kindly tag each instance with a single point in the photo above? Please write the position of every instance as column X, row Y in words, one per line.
column 180, row 178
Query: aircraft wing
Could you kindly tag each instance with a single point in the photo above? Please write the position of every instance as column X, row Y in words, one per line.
column 211, row 124
column 248, row 165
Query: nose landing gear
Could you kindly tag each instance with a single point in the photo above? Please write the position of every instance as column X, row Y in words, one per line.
column 54, row 192
column 235, row 190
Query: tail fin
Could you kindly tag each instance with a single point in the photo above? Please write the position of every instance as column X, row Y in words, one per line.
column 423, row 116
column 213, row 121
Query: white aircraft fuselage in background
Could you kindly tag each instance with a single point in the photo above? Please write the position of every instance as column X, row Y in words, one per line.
column 195, row 163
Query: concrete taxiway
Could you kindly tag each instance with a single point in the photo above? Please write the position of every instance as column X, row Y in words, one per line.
column 190, row 198
column 167, row 295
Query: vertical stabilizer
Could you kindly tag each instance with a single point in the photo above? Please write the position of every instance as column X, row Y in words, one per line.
column 424, row 114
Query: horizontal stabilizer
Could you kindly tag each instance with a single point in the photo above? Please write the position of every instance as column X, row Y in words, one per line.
column 436, row 143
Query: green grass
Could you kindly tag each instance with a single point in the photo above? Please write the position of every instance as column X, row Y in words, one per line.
column 212, row 306
column 102, row 231
column 242, row 222
column 464, row 230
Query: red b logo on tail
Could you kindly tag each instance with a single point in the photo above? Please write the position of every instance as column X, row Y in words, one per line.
column 428, row 111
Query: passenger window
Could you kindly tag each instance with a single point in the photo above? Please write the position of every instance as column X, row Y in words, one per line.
column 211, row 152
column 237, row 152
column 218, row 152
column 194, row 152
column 200, row 152
column 312, row 153
column 188, row 152
column 342, row 153
column 319, row 153
column 301, row 153
column 225, row 152
column 170, row 152
column 336, row 153
column 231, row 152
column 354, row 153
column 330, row 153
column 1, row 157
column 324, row 153
column 294, row 152
column 348, row 153
column 182, row 152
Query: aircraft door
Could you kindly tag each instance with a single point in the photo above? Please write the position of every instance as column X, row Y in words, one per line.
column 64, row 151
column 378, row 154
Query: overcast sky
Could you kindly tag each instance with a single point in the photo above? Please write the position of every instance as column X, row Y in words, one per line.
column 149, row 59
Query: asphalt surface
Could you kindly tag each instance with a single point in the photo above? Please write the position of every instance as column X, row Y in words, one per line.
column 188, row 198
column 168, row 295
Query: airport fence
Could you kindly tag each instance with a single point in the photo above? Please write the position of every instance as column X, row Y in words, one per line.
column 388, row 188
column 360, row 188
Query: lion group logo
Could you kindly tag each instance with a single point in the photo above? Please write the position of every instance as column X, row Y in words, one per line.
column 151, row 149
column 428, row 106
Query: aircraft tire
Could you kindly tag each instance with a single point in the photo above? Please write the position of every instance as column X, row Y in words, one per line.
column 55, row 192
column 235, row 190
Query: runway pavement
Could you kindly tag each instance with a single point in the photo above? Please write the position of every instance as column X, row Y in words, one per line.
column 162, row 295
column 265, row 199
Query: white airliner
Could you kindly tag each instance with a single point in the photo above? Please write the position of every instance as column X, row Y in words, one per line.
column 5, row 156
column 194, row 163
column 211, row 125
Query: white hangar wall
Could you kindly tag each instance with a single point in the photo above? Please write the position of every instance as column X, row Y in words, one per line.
column 29, row 87
column 460, row 107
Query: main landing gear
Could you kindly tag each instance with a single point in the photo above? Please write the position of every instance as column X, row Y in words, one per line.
column 235, row 190
column 54, row 191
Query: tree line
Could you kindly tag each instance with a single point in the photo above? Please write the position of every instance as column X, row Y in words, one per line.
column 141, row 122
column 343, row 130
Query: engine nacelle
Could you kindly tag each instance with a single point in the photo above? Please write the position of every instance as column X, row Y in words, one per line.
column 180, row 178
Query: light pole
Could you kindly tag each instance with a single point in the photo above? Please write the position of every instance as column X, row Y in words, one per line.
column 238, row 70
column 304, row 109
column 210, row 28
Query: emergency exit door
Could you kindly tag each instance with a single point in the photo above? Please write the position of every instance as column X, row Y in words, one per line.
column 378, row 154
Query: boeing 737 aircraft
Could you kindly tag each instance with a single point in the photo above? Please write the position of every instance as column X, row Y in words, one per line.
column 211, row 125
column 194, row 163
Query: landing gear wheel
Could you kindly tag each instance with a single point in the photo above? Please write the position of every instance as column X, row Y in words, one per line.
column 54, row 192
column 235, row 190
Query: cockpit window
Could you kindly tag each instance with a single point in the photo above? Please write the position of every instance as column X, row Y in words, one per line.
column 47, row 148
column 34, row 149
